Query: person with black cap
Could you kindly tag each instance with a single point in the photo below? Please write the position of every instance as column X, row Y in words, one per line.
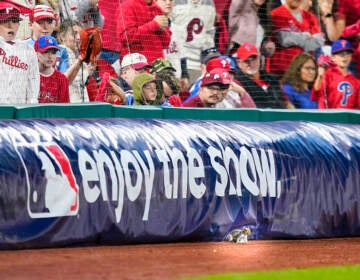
column 205, row 56
column 20, row 81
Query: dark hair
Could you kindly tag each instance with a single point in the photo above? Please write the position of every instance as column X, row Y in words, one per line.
column 168, row 77
column 292, row 74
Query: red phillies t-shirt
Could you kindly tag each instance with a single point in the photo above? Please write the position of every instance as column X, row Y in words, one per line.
column 54, row 88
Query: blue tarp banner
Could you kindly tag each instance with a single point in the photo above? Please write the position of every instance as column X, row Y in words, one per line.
column 123, row 181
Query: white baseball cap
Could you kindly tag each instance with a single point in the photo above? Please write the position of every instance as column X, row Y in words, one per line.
column 136, row 60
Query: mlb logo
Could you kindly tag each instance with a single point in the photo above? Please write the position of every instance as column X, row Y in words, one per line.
column 51, row 185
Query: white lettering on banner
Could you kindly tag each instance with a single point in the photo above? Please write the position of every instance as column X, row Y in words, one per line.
column 129, row 171
column 196, row 172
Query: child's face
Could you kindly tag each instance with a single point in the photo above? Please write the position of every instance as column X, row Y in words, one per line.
column 149, row 91
column 71, row 38
column 42, row 27
column 167, row 90
column 8, row 29
column 128, row 73
column 165, row 5
column 47, row 58
column 342, row 59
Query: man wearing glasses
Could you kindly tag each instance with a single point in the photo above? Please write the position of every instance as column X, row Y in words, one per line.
column 213, row 88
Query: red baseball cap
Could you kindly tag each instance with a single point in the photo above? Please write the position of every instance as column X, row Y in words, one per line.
column 216, row 76
column 246, row 50
column 42, row 12
column 218, row 62
column 9, row 11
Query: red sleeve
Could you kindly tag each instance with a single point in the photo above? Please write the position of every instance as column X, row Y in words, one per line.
column 165, row 38
column 100, row 96
column 65, row 94
column 128, row 28
column 247, row 101
column 357, row 105
column 175, row 100
column 315, row 95
column 280, row 19
column 314, row 23
column 319, row 95
column 223, row 35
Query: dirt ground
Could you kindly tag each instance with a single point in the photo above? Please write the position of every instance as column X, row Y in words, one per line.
column 171, row 261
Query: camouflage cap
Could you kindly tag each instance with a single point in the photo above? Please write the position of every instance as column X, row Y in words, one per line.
column 161, row 64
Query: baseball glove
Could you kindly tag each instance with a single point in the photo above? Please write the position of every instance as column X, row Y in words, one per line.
column 325, row 61
column 90, row 43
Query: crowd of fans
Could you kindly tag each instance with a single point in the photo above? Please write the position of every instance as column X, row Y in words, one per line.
column 282, row 54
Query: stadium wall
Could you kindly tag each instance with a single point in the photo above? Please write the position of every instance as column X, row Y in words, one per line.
column 127, row 175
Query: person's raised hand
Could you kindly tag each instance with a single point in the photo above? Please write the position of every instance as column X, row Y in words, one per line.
column 162, row 21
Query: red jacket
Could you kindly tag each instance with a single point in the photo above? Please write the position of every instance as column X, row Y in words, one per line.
column 337, row 91
column 138, row 32
column 93, row 86
column 282, row 19
column 108, row 31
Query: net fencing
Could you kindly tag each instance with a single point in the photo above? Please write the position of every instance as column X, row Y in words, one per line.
column 186, row 29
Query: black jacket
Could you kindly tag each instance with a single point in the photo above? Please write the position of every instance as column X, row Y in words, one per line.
column 270, row 98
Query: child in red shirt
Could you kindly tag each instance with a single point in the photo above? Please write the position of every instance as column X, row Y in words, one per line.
column 336, row 87
column 54, row 86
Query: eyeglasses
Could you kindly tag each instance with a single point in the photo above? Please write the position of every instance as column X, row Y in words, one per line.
column 214, row 88
column 309, row 68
